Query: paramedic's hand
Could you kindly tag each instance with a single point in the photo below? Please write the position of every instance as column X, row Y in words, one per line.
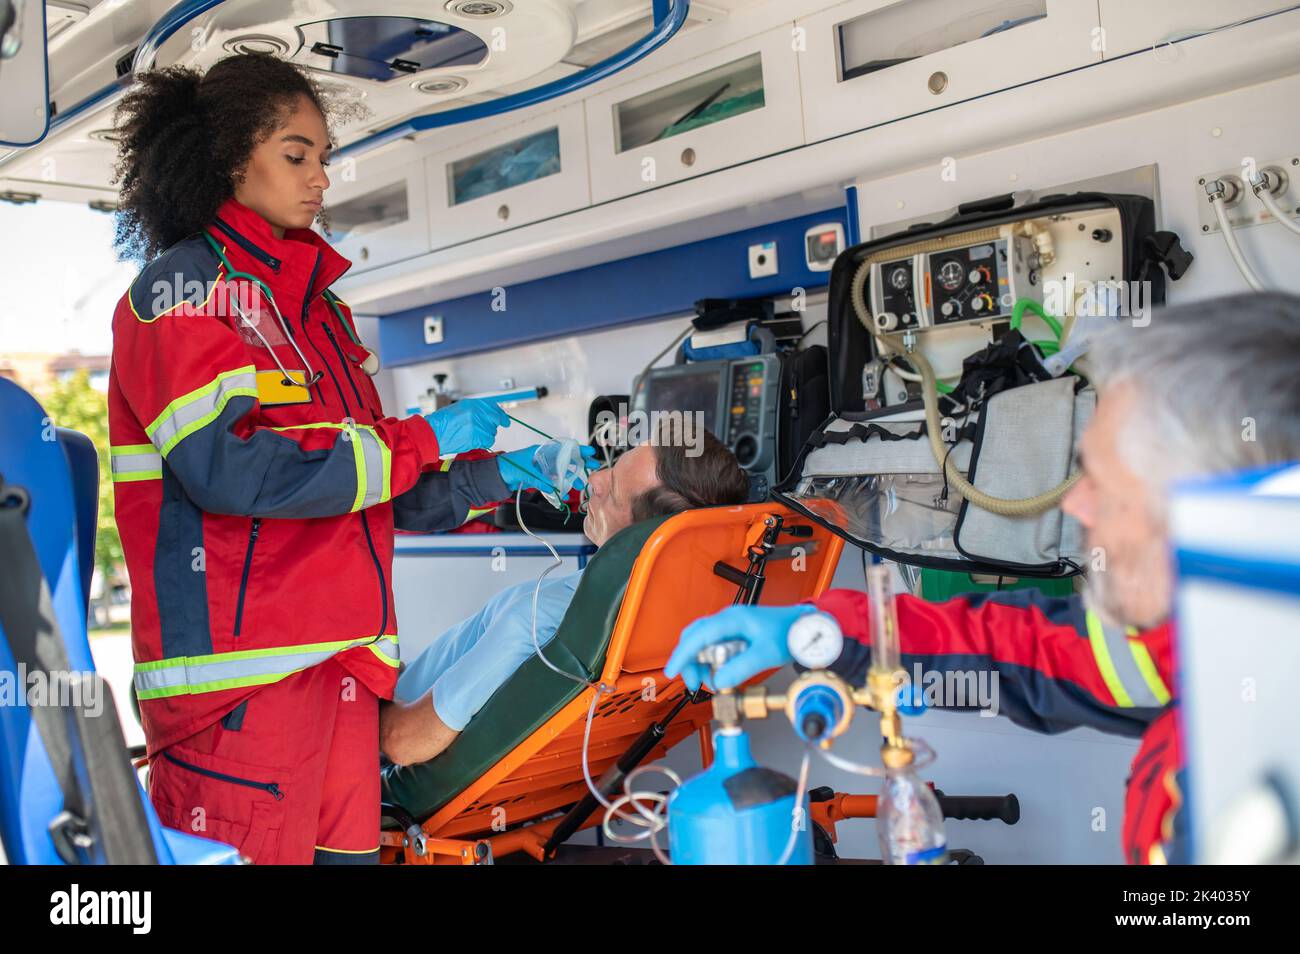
column 557, row 466
column 466, row 425
column 763, row 627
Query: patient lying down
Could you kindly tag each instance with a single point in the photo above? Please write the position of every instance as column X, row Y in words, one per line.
column 445, row 685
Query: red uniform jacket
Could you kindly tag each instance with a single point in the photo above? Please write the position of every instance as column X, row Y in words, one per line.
column 257, row 519
column 1058, row 667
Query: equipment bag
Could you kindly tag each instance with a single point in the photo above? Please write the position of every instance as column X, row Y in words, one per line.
column 871, row 476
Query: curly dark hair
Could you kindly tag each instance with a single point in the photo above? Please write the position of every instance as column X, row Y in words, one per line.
column 185, row 139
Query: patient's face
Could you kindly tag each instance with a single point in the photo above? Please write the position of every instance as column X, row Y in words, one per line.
column 612, row 490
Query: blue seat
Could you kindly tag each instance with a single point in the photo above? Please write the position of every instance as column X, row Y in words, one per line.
column 59, row 473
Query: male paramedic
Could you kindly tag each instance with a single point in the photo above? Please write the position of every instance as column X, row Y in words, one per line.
column 441, row 690
column 1205, row 388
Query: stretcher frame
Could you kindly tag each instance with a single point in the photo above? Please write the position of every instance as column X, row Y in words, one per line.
column 789, row 559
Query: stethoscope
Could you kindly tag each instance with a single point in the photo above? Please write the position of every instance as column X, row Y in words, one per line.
column 370, row 365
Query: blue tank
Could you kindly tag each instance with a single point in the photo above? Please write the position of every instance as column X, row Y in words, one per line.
column 735, row 812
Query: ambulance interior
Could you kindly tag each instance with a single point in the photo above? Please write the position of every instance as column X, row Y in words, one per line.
column 792, row 218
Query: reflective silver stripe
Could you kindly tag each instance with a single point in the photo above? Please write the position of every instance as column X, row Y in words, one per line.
column 388, row 646
column 1126, row 668
column 372, row 453
column 193, row 411
column 254, row 667
column 135, row 462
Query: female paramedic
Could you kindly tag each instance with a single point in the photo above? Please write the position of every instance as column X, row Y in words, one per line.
column 257, row 480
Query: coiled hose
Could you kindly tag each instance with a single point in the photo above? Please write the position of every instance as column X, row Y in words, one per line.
column 999, row 505
column 930, row 394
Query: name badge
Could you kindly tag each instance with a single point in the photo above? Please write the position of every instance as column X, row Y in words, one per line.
column 271, row 389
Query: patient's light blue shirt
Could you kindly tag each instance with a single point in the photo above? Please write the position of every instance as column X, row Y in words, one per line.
column 469, row 662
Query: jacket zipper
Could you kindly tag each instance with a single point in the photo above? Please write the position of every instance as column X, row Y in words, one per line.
column 365, row 523
column 270, row 261
column 243, row 579
column 329, row 333
column 271, row 787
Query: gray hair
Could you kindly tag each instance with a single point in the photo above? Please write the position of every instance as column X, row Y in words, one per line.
column 1217, row 384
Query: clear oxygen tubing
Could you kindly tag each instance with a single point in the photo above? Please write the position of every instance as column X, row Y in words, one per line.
column 924, row 756
column 797, row 819
column 1230, row 238
column 650, row 822
column 537, row 589
column 1260, row 185
column 999, row 505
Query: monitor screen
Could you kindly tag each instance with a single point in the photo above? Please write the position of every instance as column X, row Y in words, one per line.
column 694, row 390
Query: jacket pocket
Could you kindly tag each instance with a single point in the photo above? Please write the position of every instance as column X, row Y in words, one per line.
column 253, row 531
column 226, row 800
column 271, row 788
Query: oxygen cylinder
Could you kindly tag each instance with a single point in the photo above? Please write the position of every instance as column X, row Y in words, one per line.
column 736, row 812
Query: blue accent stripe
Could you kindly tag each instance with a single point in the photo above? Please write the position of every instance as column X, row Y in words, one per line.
column 171, row 21
column 1273, row 575
column 181, row 590
column 1060, row 610
column 641, row 288
column 852, row 223
column 1238, row 483
column 668, row 20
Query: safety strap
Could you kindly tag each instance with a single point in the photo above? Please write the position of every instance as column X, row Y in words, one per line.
column 103, row 820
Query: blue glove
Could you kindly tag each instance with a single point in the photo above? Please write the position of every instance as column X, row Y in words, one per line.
column 763, row 627
column 468, row 424
column 555, row 467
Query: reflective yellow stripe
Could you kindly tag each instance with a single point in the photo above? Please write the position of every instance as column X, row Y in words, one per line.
column 444, row 465
column 473, row 513
column 359, row 459
column 200, row 407
column 385, row 464
column 193, row 675
column 348, row 851
column 1100, row 652
column 131, row 462
column 384, row 657
column 1146, row 665
column 212, row 287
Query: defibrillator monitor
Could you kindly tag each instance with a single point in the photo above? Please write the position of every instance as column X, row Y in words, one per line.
column 691, row 388
column 737, row 399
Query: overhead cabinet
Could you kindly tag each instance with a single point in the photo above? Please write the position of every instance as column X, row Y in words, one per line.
column 1153, row 24
column 523, row 173
column 377, row 212
column 869, row 62
column 738, row 103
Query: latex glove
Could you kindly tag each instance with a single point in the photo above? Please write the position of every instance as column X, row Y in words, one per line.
column 764, row 628
column 555, row 467
column 466, row 425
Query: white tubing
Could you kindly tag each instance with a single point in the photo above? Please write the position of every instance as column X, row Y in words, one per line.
column 1277, row 211
column 1243, row 266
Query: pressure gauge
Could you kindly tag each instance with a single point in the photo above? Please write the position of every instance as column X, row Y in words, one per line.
column 815, row 640
column 951, row 275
